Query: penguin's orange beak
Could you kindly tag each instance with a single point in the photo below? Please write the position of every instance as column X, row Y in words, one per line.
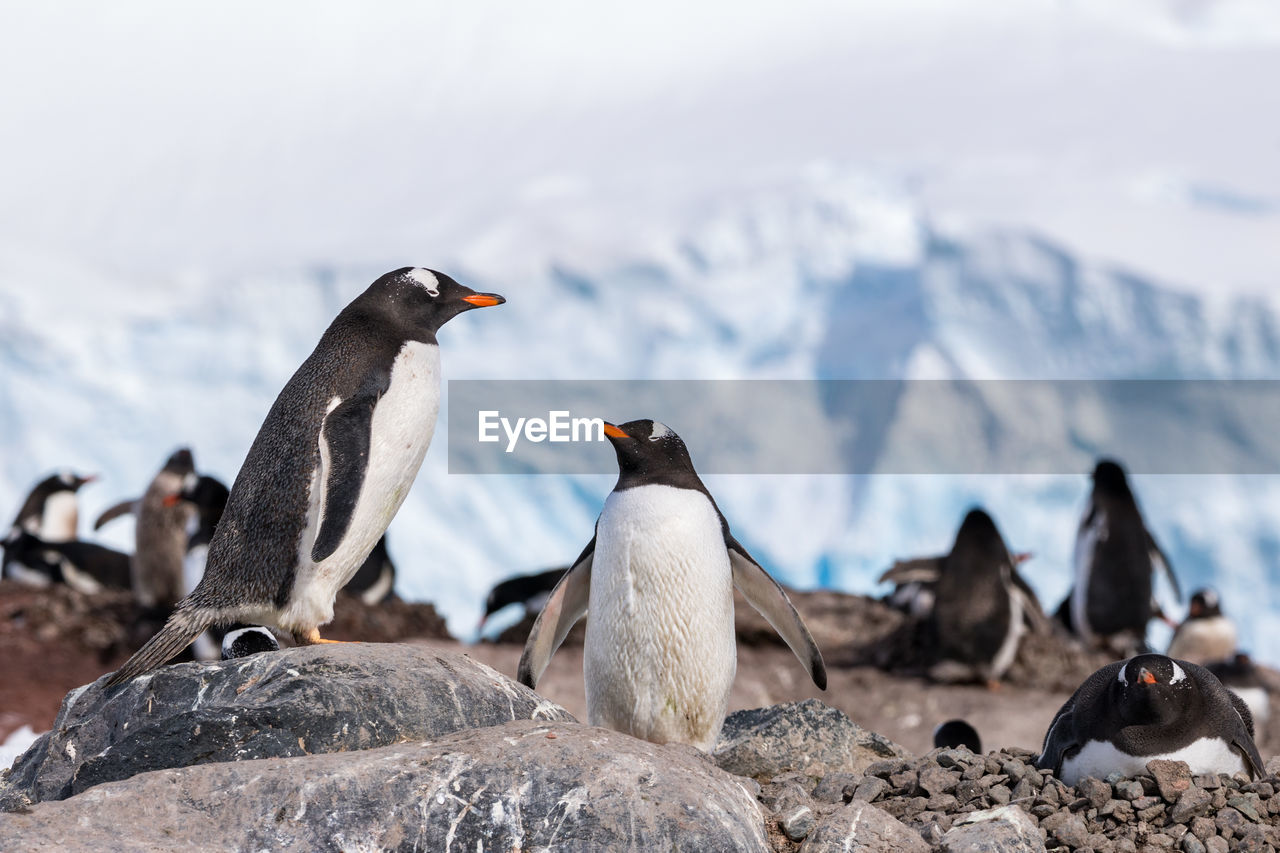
column 613, row 432
column 171, row 500
column 484, row 300
column 1145, row 677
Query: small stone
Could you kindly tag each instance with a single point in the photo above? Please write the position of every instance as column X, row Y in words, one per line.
column 943, row 803
column 779, row 795
column 798, row 823
column 1273, row 805
column 1219, row 798
column 1246, row 806
column 1252, row 840
column 1122, row 810
column 1272, row 768
column 1208, row 781
column 831, row 789
column 1229, row 821
column 1014, row 769
column 1000, row 794
column 1145, row 802
column 915, row 805
column 957, row 758
column 1151, row 812
column 1203, row 828
column 1005, row 829
column 1160, row 840
column 973, row 772
column 870, row 789
column 1098, row 841
column 1126, row 845
column 1262, row 789
column 967, row 790
column 1217, row 844
column 937, row 780
column 1044, row 810
column 1172, row 778
column 1049, row 794
column 1194, row 802
column 905, row 781
column 1191, row 844
column 1128, row 789
column 1024, row 790
column 885, row 769
column 1067, row 828
column 1095, row 790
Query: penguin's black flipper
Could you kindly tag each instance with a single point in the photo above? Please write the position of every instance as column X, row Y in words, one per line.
column 1157, row 556
column 346, row 436
column 919, row 570
column 123, row 508
column 565, row 606
column 767, row 596
column 1242, row 737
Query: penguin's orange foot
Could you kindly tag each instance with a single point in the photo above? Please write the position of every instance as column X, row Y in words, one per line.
column 994, row 685
column 312, row 637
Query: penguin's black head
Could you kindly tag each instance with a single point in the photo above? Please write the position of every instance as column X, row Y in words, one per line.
column 1109, row 477
column 69, row 481
column 1151, row 687
column 420, row 300
column 1204, row 604
column 648, row 448
column 248, row 641
column 979, row 533
column 954, row 733
column 181, row 462
column 208, row 494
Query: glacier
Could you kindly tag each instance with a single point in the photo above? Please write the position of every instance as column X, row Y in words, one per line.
column 832, row 275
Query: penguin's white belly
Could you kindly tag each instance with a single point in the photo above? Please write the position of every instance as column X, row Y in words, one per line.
column 1204, row 641
column 403, row 422
column 1100, row 759
column 61, row 514
column 660, row 652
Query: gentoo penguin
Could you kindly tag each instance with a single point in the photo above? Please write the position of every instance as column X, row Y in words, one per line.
column 954, row 733
column 1205, row 635
column 84, row 566
column 1241, row 676
column 1114, row 558
column 1150, row 706
column 375, row 580
column 915, row 583
column 529, row 591
column 981, row 603
column 161, row 535
column 50, row 513
column 658, row 578
column 330, row 466
column 207, row 497
column 248, row 641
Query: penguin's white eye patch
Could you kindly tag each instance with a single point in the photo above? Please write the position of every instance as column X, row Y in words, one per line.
column 659, row 431
column 426, row 280
column 1120, row 676
column 1178, row 674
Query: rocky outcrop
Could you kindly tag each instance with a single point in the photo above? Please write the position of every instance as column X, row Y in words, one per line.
column 808, row 737
column 284, row 704
column 519, row 786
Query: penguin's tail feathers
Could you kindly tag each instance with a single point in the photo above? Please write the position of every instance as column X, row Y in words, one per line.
column 178, row 632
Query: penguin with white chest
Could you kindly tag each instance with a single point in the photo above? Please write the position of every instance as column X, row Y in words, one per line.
column 658, row 579
column 51, row 513
column 1115, row 556
column 1150, row 706
column 1206, row 635
column 330, row 466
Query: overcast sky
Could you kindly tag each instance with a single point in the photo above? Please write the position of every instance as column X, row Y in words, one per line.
column 148, row 137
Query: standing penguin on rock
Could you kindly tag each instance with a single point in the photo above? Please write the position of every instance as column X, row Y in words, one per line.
column 330, row 466
column 1115, row 556
column 658, row 577
column 1150, row 706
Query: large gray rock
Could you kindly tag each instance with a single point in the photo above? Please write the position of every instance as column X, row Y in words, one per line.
column 809, row 736
column 1007, row 829
column 281, row 704
column 862, row 826
column 520, row 786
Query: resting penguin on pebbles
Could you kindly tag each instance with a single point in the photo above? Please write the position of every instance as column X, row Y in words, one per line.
column 330, row 466
column 1149, row 707
column 658, row 577
column 1206, row 635
column 51, row 513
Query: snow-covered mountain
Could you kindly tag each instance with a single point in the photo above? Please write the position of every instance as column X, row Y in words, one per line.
column 830, row 276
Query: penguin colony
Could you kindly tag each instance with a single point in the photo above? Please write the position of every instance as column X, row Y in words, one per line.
column 338, row 451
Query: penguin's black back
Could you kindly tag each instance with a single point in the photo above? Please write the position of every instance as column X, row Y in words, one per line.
column 521, row 589
column 33, row 506
column 253, row 554
column 971, row 610
column 1118, row 597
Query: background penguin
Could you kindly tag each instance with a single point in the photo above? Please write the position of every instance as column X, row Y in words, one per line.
column 658, row 576
column 954, row 733
column 530, row 591
column 242, row 642
column 374, row 582
column 330, row 466
column 1242, row 677
column 1115, row 556
column 1206, row 635
column 207, row 497
column 84, row 566
column 980, row 603
column 51, row 513
column 1150, row 706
